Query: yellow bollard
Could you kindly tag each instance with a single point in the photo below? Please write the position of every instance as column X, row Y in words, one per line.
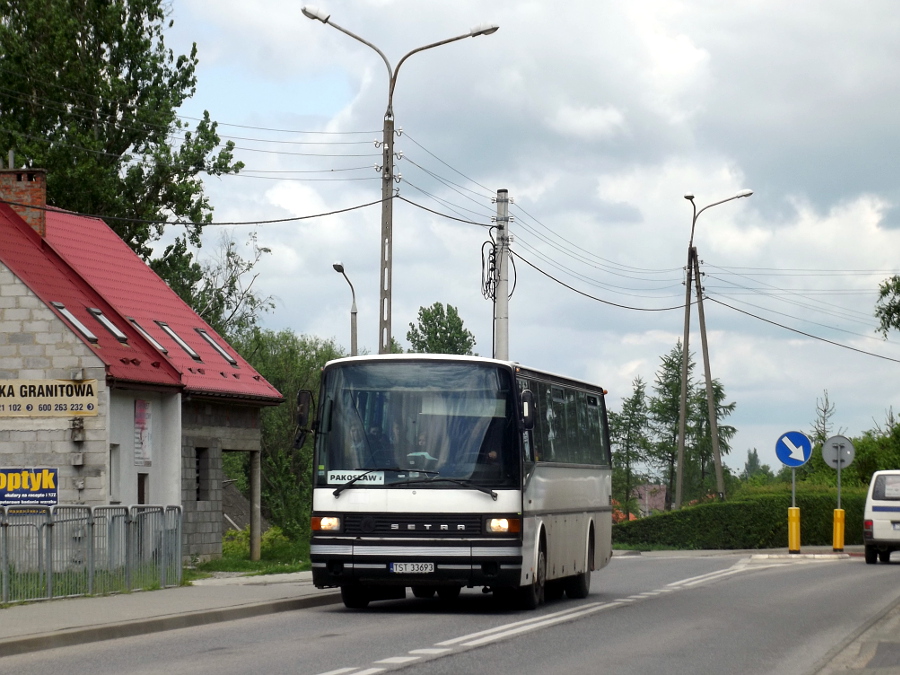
column 838, row 530
column 793, row 529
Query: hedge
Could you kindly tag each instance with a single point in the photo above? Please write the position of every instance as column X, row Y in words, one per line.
column 749, row 521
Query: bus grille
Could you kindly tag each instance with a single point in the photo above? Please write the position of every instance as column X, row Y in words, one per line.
column 406, row 524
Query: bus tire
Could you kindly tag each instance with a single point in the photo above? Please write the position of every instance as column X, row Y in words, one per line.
column 355, row 597
column 532, row 596
column 423, row 591
column 579, row 586
column 448, row 593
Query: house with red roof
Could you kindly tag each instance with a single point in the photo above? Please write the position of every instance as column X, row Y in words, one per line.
column 108, row 380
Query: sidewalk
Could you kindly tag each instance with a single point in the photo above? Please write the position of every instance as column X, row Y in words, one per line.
column 873, row 650
column 59, row 623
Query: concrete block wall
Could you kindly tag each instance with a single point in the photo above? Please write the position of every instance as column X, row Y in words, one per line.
column 213, row 427
column 36, row 345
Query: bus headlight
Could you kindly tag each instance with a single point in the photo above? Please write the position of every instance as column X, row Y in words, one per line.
column 504, row 525
column 325, row 523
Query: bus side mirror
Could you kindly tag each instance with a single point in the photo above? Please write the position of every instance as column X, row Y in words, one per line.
column 304, row 403
column 528, row 409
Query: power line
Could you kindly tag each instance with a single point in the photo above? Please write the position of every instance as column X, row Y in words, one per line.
column 592, row 297
column 183, row 222
column 800, row 332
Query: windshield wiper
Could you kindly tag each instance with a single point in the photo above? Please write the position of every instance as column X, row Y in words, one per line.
column 350, row 482
column 458, row 481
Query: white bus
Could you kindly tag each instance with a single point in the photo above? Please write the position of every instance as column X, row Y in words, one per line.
column 438, row 472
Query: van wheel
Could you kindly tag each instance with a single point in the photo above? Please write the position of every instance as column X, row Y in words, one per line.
column 355, row 597
column 884, row 556
column 423, row 591
column 871, row 555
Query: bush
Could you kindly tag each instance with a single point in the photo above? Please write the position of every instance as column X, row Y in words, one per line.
column 274, row 545
column 755, row 518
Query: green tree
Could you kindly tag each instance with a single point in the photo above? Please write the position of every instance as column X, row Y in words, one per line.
column 630, row 445
column 290, row 362
column 887, row 307
column 665, row 410
column 755, row 472
column 221, row 288
column 699, row 477
column 439, row 331
column 89, row 92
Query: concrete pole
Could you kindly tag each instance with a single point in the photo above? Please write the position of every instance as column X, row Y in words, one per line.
column 387, row 221
column 710, row 398
column 682, row 410
column 255, row 508
column 501, row 294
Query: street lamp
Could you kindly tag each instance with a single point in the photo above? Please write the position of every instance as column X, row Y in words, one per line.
column 693, row 269
column 339, row 267
column 387, row 165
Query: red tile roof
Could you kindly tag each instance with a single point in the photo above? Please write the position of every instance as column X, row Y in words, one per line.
column 100, row 270
column 53, row 280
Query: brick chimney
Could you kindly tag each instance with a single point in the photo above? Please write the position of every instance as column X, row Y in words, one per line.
column 29, row 188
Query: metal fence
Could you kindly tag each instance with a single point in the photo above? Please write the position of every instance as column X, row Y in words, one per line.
column 63, row 551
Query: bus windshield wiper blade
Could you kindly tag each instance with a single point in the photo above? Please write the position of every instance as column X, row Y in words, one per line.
column 458, row 481
column 350, row 482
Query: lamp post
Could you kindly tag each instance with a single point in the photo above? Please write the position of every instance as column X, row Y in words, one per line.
column 339, row 267
column 693, row 271
column 387, row 165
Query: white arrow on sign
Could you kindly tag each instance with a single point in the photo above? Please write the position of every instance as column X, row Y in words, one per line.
column 796, row 453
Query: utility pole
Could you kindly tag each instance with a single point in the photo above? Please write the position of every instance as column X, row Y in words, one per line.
column 710, row 398
column 692, row 269
column 501, row 294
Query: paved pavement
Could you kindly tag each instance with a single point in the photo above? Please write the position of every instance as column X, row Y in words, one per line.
column 873, row 650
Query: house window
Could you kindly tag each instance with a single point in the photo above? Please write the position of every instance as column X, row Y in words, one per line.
column 215, row 345
column 114, row 469
column 109, row 325
column 147, row 335
column 61, row 308
column 202, row 475
column 143, row 487
column 181, row 343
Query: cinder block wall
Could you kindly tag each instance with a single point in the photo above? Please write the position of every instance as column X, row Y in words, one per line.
column 208, row 429
column 35, row 345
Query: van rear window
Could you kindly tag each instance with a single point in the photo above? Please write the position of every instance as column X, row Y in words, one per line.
column 886, row 488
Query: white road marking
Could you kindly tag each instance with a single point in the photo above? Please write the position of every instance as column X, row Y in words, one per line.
column 505, row 631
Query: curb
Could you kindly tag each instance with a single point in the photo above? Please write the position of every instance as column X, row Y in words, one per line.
column 76, row 636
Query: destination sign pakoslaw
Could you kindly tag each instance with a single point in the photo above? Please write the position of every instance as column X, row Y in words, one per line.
column 48, row 398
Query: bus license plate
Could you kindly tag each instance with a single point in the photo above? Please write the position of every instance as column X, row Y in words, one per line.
column 412, row 568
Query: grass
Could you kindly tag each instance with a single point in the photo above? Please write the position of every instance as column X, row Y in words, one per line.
column 278, row 555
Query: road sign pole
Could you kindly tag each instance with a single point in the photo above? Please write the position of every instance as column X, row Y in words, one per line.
column 793, row 449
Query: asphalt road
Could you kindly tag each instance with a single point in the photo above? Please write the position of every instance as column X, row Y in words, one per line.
column 667, row 613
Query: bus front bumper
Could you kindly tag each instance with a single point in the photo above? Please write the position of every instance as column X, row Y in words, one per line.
column 341, row 562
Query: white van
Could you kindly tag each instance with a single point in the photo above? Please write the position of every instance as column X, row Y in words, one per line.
column 881, row 519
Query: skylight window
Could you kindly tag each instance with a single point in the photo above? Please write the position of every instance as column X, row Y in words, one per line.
column 147, row 335
column 61, row 308
column 181, row 343
column 109, row 325
column 215, row 345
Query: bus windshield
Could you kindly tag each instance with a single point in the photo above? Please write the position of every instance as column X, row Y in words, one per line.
column 418, row 424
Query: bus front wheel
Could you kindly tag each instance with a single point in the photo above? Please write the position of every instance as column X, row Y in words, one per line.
column 354, row 597
column 532, row 595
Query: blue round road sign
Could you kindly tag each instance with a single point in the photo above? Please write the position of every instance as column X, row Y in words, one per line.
column 793, row 449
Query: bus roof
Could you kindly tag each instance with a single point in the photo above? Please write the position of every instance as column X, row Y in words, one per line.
column 512, row 365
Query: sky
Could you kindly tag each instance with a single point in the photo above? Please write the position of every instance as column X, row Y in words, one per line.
column 597, row 117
